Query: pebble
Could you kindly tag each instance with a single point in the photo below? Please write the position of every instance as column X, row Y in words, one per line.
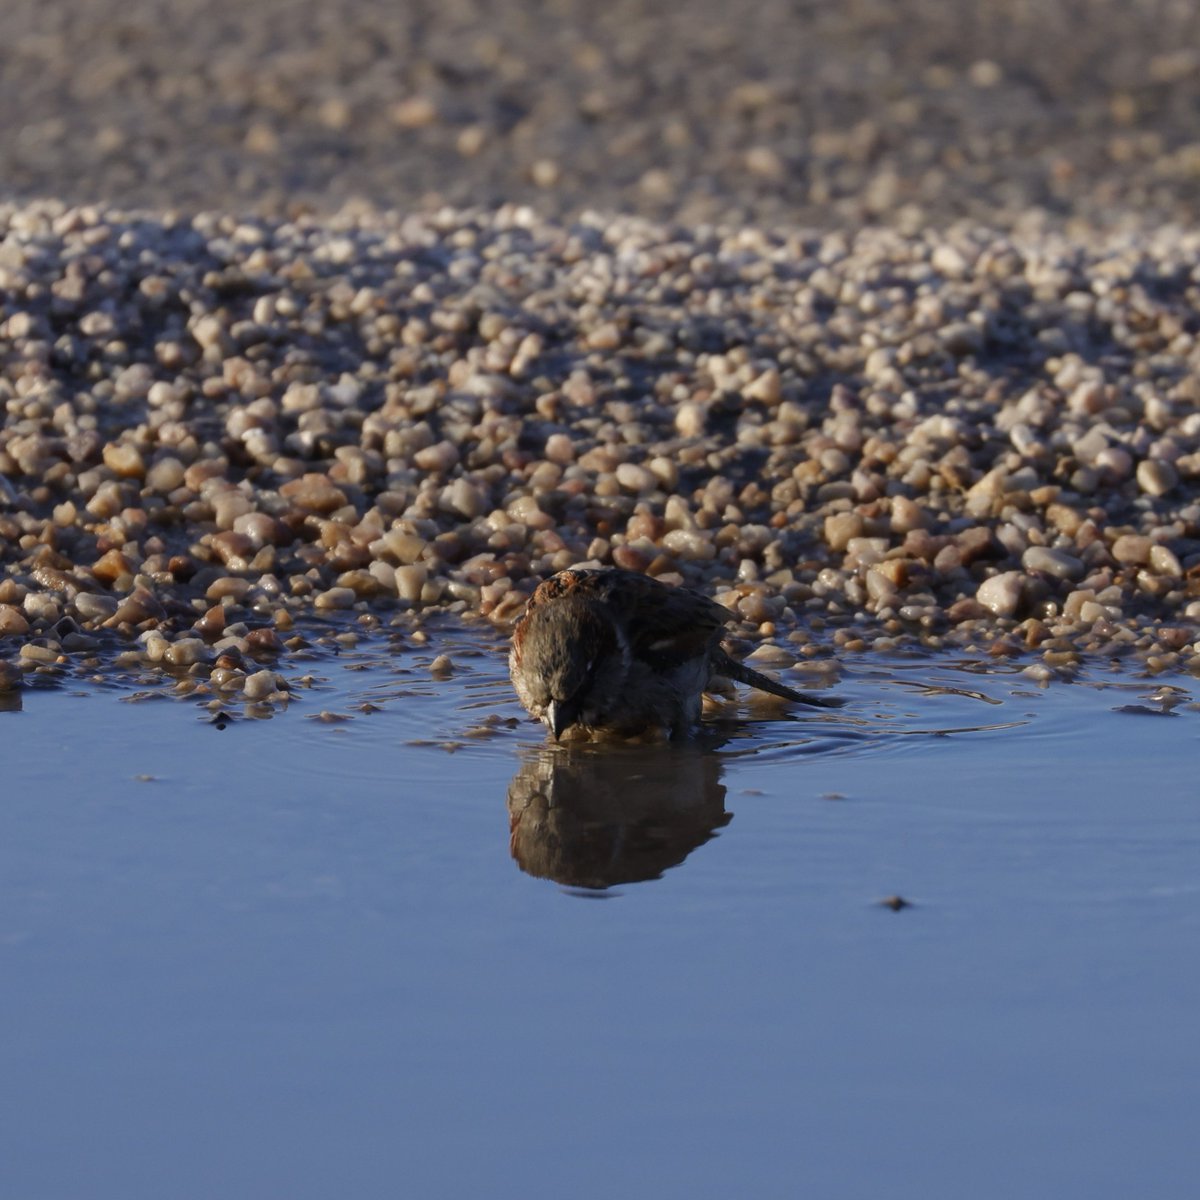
column 1053, row 562
column 1001, row 594
column 1165, row 561
column 1155, row 477
column 12, row 622
column 186, row 651
column 410, row 581
column 260, row 685
column 31, row 652
column 335, row 597
column 91, row 606
column 1132, row 548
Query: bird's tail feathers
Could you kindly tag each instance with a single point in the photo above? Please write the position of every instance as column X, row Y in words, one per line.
column 730, row 667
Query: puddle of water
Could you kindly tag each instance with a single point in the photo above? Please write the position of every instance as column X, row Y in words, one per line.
column 324, row 954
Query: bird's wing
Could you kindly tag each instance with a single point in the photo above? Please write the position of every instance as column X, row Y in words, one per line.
column 665, row 625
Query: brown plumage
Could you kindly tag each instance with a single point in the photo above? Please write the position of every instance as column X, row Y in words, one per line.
column 606, row 651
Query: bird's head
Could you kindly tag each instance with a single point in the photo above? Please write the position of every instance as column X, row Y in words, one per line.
column 565, row 648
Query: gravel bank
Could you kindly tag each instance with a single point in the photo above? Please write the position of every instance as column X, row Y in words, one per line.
column 906, row 111
column 216, row 427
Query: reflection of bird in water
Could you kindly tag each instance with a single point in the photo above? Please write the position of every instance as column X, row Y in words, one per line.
column 592, row 818
column 603, row 652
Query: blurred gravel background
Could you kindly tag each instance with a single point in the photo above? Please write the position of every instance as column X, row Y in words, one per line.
column 817, row 112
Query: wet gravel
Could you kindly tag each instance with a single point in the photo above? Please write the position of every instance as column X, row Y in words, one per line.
column 873, row 440
column 878, row 323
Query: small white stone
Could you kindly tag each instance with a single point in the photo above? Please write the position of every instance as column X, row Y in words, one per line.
column 92, row 606
column 260, row 685
column 881, row 590
column 384, row 573
column 1052, row 562
column 634, row 478
column 410, row 579
column 1001, row 594
column 1165, row 561
column 689, row 544
column 156, row 646
column 186, row 652
column 464, row 498
column 690, row 419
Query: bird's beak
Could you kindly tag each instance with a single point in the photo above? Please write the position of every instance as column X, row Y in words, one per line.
column 560, row 715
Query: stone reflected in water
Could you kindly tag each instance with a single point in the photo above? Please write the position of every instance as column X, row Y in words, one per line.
column 592, row 817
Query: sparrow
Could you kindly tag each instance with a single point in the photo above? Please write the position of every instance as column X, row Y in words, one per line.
column 602, row 651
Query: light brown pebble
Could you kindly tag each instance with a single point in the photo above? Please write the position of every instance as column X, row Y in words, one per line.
column 140, row 605
column 841, row 528
column 410, row 581
column 766, row 387
column 335, row 598
column 155, row 646
column 439, row 457
column 111, row 566
column 1091, row 611
column 604, row 337
column 12, row 622
column 1001, row 594
column 187, row 651
column 400, row 544
column 43, row 607
column 1156, row 477
column 1057, row 563
column 228, row 587
column 124, row 460
column 31, row 652
column 226, row 677
column 771, row 655
column 907, row 515
column 464, row 498
column 313, row 492
column 1115, row 462
column 414, row 112
column 1165, row 561
column 634, row 478
column 1132, row 548
column 93, row 606
column 690, row 420
column 260, row 685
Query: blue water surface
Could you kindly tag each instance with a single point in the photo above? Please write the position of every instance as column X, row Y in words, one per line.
column 297, row 956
